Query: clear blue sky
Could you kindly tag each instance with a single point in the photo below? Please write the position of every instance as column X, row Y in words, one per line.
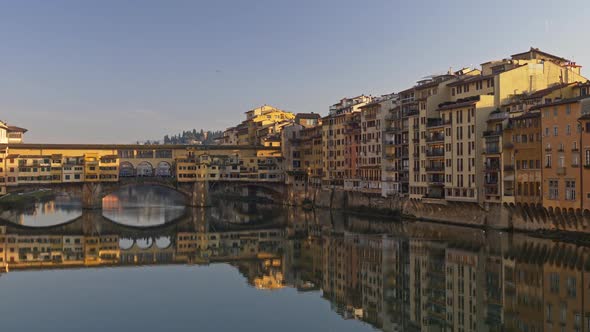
column 117, row 71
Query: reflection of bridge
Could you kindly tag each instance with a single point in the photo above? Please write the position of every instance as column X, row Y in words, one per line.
column 94, row 240
column 94, row 171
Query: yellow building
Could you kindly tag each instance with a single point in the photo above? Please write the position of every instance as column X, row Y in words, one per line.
column 464, row 105
column 261, row 127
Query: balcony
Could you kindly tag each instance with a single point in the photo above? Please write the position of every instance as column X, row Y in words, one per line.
column 498, row 116
column 393, row 130
column 575, row 150
column 509, row 145
column 431, row 123
column 508, row 168
column 415, row 140
column 416, row 126
column 436, row 180
column 561, row 171
column 409, row 113
column 435, row 153
column 490, row 133
column 492, row 168
column 392, row 117
column 560, row 149
column 435, row 168
column 491, row 182
column 435, row 138
column 491, row 150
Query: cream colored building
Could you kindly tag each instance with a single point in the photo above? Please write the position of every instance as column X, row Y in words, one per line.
column 462, row 108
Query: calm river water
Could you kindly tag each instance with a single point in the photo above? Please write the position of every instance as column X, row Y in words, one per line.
column 147, row 263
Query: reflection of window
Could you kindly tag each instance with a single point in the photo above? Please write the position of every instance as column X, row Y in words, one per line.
column 571, row 287
column 554, row 194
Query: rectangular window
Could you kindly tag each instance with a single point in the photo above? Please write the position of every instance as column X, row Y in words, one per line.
column 553, row 195
column 570, row 190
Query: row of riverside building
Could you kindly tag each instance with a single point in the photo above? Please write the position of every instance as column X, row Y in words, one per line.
column 515, row 130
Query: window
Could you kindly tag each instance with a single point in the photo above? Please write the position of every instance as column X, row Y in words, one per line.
column 568, row 130
column 554, row 130
column 554, row 280
column 571, row 287
column 570, row 190
column 554, row 194
column 548, row 161
column 568, row 109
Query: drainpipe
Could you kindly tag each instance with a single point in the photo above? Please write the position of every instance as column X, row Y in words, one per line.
column 581, row 167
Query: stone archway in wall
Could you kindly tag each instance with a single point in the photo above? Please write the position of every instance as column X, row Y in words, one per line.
column 145, row 169
column 164, row 169
column 126, row 170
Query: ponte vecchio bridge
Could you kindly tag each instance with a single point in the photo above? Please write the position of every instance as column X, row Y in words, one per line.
column 95, row 170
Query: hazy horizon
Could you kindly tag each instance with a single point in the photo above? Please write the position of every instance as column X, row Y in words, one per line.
column 122, row 71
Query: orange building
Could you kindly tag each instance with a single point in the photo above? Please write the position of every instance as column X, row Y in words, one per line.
column 522, row 157
column 562, row 143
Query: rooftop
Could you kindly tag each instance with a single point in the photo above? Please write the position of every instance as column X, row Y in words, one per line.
column 459, row 103
column 533, row 52
column 561, row 102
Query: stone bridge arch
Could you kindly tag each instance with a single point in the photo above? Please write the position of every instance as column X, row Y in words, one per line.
column 195, row 193
column 275, row 192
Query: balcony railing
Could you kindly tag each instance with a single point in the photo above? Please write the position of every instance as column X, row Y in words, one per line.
column 489, row 133
column 435, row 169
column 492, row 150
column 410, row 113
column 492, row 167
column 435, row 138
column 508, row 168
column 498, row 116
column 393, row 129
column 436, row 180
column 436, row 123
column 435, row 153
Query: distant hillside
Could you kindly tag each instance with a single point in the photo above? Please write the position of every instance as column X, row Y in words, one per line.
column 193, row 137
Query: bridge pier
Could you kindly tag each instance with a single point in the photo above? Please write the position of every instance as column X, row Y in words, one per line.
column 199, row 194
column 92, row 195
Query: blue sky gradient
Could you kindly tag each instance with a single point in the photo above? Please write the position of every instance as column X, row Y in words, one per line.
column 117, row 71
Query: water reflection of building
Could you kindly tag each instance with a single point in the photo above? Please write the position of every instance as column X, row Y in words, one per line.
column 413, row 277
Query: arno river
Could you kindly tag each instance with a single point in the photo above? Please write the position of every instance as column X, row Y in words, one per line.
column 147, row 263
